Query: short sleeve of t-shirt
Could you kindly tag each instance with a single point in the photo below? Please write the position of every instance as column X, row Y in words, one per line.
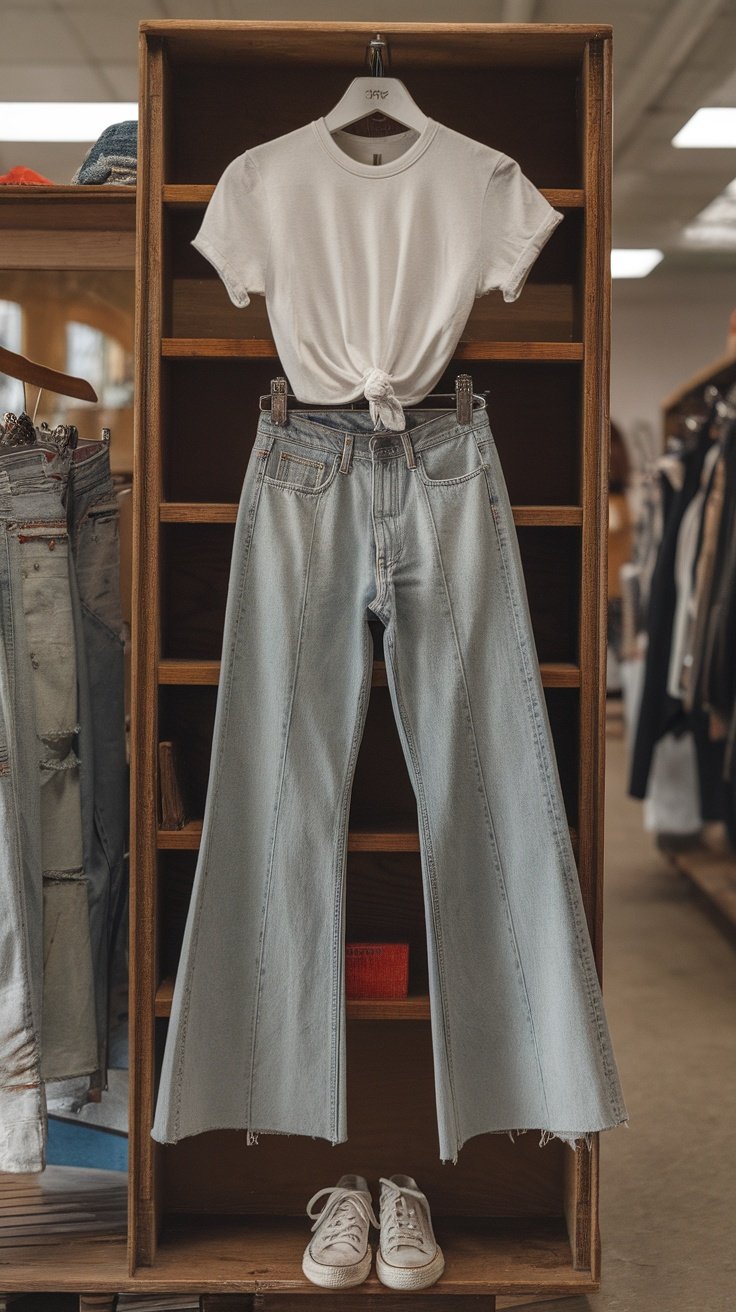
column 235, row 233
column 516, row 222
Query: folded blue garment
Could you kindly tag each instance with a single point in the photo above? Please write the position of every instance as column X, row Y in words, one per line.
column 113, row 157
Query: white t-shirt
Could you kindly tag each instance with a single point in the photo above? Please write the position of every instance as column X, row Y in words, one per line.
column 370, row 269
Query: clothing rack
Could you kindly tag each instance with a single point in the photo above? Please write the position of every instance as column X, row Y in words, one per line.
column 705, row 858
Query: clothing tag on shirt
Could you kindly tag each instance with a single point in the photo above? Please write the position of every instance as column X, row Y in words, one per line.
column 376, row 159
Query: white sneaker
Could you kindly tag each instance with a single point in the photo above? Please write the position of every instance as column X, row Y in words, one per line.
column 409, row 1256
column 340, row 1255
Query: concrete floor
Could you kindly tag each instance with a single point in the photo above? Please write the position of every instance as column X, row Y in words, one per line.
column 668, row 1182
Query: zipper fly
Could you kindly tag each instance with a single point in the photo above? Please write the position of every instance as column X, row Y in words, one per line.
column 386, row 520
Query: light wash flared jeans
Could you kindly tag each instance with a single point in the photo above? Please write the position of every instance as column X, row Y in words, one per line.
column 336, row 519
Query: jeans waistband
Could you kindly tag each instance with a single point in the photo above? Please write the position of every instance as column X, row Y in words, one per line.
column 90, row 466
column 329, row 428
column 29, row 470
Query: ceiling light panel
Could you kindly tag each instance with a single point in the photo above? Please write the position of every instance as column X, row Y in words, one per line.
column 65, row 121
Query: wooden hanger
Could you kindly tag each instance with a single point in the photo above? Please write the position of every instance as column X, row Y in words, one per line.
column 366, row 95
column 47, row 380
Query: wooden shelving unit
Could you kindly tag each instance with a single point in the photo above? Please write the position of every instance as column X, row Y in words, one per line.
column 512, row 1218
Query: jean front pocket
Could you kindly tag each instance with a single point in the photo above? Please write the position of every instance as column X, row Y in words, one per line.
column 97, row 564
column 454, row 459
column 299, row 468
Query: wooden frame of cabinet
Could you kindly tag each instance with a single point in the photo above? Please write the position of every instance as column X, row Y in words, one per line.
column 209, row 1213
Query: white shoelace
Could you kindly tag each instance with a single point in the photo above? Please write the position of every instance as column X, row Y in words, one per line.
column 343, row 1216
column 400, row 1222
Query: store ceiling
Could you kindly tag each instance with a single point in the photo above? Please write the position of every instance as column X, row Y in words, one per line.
column 670, row 57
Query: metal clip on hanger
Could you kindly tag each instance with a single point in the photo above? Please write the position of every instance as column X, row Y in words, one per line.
column 17, row 430
column 464, row 397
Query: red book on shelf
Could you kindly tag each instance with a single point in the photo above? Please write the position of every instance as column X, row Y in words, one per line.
column 376, row 970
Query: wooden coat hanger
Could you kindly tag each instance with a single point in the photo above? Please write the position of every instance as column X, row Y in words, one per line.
column 19, row 430
column 45, row 379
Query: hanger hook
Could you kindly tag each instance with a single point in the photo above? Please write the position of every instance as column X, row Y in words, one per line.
column 377, row 47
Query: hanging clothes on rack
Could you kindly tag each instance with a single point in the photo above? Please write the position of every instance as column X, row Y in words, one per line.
column 688, row 626
column 659, row 713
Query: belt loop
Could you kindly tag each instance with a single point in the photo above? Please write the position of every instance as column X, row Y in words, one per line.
column 346, row 452
column 410, row 461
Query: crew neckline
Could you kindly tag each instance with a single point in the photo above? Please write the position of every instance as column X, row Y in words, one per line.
column 402, row 161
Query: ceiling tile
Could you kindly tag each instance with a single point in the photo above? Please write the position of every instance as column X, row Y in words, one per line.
column 30, row 37
column 121, row 80
column 81, row 81
column 109, row 33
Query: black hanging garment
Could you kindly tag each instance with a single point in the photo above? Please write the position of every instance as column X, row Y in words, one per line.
column 659, row 712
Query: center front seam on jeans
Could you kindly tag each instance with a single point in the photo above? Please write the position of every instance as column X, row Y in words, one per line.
column 338, row 938
column 479, row 769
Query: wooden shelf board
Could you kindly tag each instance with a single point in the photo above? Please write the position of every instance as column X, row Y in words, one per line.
column 68, row 227
column 555, row 674
column 415, row 1007
column 198, row 512
column 560, row 674
column 548, row 516
column 359, row 840
column 482, row 1255
column 232, row 1254
column 246, row 348
column 69, row 194
column 225, row 512
column 713, row 875
column 194, row 195
column 483, row 45
column 188, row 672
column 64, row 1230
column 186, row 839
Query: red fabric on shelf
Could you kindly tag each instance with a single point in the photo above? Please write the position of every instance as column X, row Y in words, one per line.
column 20, row 175
column 376, row 970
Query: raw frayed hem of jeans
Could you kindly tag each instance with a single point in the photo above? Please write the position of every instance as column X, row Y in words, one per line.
column 53, row 735
column 572, row 1138
column 251, row 1136
column 70, row 762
